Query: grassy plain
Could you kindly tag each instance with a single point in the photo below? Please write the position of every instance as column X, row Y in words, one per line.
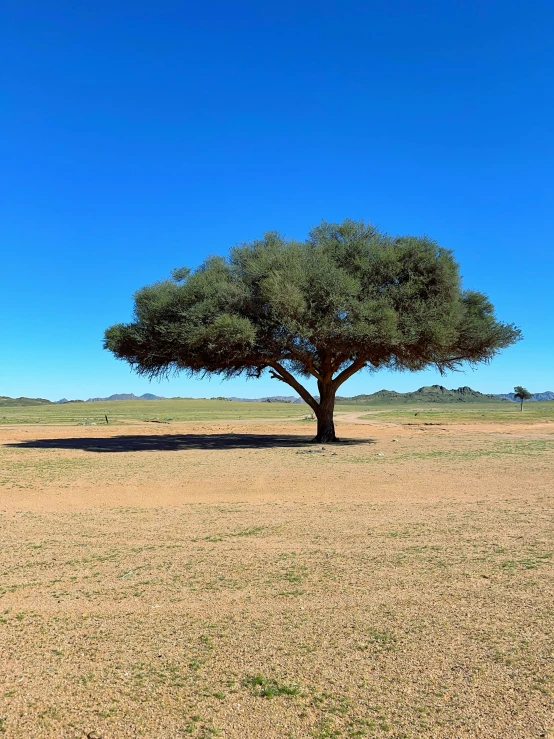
column 478, row 413
column 205, row 410
column 147, row 410
column 220, row 576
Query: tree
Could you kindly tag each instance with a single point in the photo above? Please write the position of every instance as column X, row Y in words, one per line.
column 520, row 393
column 347, row 298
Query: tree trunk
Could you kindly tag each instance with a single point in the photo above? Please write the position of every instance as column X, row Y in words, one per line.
column 324, row 414
column 521, row 407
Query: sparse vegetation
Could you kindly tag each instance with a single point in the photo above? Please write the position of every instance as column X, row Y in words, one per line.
column 244, row 590
column 137, row 411
column 263, row 687
column 176, row 411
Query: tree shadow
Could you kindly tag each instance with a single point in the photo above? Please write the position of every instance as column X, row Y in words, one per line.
column 181, row 442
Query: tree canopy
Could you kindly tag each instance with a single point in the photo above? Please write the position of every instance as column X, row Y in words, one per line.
column 347, row 298
column 521, row 394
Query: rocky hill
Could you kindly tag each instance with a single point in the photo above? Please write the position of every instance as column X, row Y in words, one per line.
column 427, row 394
column 6, row 402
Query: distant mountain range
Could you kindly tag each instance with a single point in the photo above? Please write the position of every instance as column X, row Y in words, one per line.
column 6, row 402
column 427, row 394
column 122, row 396
column 548, row 395
column 268, row 399
column 438, row 394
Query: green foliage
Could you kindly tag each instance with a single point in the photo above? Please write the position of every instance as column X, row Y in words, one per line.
column 521, row 393
column 345, row 299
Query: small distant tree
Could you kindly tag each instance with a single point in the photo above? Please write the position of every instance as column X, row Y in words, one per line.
column 347, row 298
column 521, row 394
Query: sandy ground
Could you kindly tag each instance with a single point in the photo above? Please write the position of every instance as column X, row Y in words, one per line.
column 229, row 579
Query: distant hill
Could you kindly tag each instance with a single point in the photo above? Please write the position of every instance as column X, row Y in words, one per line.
column 269, row 399
column 6, row 402
column 127, row 396
column 427, row 394
column 116, row 396
column 547, row 395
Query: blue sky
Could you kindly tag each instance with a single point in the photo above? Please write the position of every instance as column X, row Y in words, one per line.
column 139, row 137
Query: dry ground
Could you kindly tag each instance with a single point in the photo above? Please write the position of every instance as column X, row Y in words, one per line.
column 228, row 579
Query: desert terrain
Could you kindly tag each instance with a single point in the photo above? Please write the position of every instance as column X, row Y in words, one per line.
column 225, row 577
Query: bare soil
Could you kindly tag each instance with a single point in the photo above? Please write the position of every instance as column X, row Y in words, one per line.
column 231, row 579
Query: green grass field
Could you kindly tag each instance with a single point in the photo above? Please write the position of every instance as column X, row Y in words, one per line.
column 464, row 413
column 148, row 410
column 128, row 411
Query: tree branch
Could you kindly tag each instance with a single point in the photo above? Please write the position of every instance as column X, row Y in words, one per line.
column 307, row 361
column 280, row 373
column 357, row 365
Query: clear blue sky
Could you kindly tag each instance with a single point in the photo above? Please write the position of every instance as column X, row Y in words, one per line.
column 139, row 137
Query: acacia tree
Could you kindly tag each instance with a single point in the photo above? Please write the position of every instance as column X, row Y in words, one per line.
column 521, row 394
column 347, row 298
